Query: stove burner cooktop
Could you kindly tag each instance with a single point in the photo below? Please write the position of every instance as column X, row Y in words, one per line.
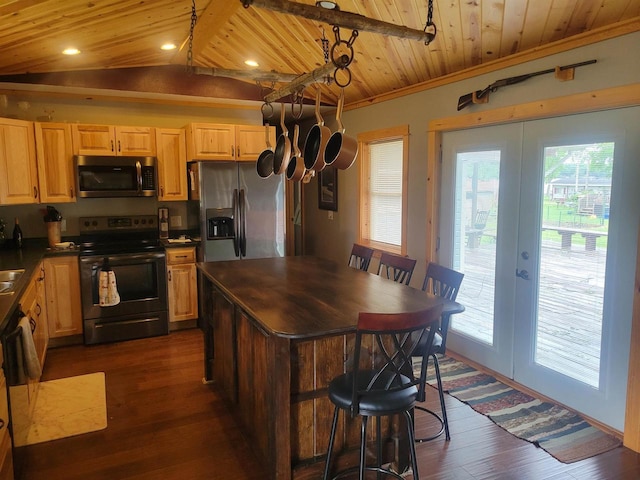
column 119, row 234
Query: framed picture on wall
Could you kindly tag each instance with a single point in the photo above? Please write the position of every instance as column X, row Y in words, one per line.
column 328, row 189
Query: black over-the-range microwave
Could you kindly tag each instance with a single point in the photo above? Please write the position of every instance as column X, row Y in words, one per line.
column 103, row 176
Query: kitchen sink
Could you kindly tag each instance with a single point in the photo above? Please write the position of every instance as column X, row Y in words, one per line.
column 8, row 279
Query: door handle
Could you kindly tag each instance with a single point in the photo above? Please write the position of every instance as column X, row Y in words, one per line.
column 522, row 274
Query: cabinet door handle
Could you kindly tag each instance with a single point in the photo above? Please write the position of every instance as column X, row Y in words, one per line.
column 71, row 192
column 35, row 192
column 39, row 309
column 181, row 256
column 169, row 273
column 112, row 146
column 232, row 151
column 162, row 191
column 119, row 146
column 238, row 151
column 1, row 422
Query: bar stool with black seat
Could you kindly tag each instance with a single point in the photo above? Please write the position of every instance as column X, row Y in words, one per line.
column 382, row 383
column 360, row 257
column 396, row 268
column 443, row 282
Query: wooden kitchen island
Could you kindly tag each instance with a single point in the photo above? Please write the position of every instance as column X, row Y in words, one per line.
column 277, row 331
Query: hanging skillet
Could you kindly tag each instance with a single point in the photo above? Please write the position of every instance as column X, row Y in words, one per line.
column 264, row 165
column 282, row 153
column 296, row 168
column 341, row 150
column 316, row 141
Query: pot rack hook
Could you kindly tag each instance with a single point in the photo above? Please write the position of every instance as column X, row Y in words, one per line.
column 263, row 109
column 430, row 28
column 297, row 99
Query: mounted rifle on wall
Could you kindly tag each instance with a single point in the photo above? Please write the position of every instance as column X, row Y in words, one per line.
column 482, row 96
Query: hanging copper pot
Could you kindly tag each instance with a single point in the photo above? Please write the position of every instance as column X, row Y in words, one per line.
column 296, row 168
column 341, row 150
column 264, row 165
column 316, row 141
column 282, row 153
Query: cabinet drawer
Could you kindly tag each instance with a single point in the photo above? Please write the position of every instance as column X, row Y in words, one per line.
column 176, row 256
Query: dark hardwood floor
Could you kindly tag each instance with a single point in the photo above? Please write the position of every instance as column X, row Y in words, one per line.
column 164, row 423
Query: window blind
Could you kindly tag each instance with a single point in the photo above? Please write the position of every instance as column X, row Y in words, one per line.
column 386, row 191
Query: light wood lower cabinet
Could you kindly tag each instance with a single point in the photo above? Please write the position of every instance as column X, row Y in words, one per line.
column 6, row 454
column 62, row 284
column 182, row 284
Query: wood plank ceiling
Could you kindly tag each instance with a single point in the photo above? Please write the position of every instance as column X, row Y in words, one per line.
column 127, row 34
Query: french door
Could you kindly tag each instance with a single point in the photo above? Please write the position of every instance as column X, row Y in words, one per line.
column 541, row 217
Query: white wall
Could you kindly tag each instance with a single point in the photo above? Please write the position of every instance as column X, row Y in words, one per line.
column 333, row 238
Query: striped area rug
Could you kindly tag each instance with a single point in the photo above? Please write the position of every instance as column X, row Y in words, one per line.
column 560, row 432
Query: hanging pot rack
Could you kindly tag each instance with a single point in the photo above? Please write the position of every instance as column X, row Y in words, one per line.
column 338, row 19
column 316, row 76
column 350, row 20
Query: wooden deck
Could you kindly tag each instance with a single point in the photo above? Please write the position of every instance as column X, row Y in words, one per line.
column 570, row 316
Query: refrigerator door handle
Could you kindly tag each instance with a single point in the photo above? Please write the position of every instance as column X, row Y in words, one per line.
column 236, row 223
column 243, row 224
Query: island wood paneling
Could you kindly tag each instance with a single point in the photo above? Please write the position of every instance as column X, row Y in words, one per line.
column 277, row 381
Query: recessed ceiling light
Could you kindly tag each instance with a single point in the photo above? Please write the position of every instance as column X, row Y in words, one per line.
column 168, row 46
column 251, row 63
column 71, row 51
column 328, row 5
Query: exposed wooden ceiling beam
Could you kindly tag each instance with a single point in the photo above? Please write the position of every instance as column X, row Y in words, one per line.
column 254, row 75
column 214, row 17
column 317, row 76
column 353, row 21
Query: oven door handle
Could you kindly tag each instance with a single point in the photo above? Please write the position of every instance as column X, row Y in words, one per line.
column 236, row 223
column 121, row 259
column 139, row 176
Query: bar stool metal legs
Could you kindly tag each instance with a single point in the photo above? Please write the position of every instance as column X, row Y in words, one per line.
column 444, row 423
column 362, row 466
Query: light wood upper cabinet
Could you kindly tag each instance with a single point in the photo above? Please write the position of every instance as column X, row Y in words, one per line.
column 62, row 285
column 54, row 152
column 172, row 164
column 251, row 141
column 182, row 284
column 137, row 141
column 113, row 140
column 207, row 141
column 18, row 171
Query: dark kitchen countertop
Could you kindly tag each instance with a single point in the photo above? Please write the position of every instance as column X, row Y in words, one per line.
column 27, row 258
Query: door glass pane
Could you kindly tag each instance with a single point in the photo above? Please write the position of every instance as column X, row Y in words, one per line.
column 575, row 225
column 476, row 220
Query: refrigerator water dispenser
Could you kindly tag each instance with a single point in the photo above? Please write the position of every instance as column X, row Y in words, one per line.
column 220, row 223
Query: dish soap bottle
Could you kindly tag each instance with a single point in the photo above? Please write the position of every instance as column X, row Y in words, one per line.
column 17, row 235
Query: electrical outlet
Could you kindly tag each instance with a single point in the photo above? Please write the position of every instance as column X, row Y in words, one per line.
column 175, row 221
column 63, row 225
column 330, row 215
